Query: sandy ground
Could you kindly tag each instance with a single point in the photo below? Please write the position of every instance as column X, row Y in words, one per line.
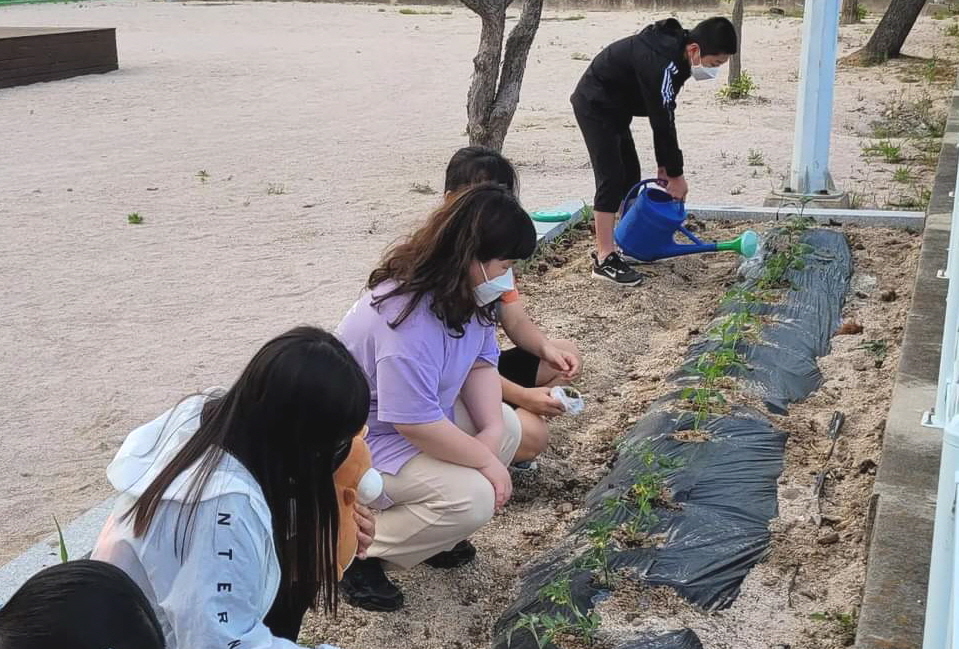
column 310, row 124
column 632, row 342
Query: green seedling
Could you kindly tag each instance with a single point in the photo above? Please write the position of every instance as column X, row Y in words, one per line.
column 755, row 158
column 739, row 296
column 902, row 175
column 596, row 558
column 779, row 263
column 845, row 625
column 546, row 627
column 61, row 545
column 797, row 225
column 134, row 218
column 885, row 149
column 702, row 400
column 579, row 56
column 202, row 175
column 275, row 189
column 878, row 348
column 740, row 88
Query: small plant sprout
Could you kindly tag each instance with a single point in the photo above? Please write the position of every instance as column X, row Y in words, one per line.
column 546, row 627
column 885, row 149
column 422, row 188
column 275, row 189
column 134, row 218
column 600, row 535
column 202, row 175
column 902, row 175
column 61, row 545
column 755, row 158
column 878, row 348
column 741, row 88
column 579, row 56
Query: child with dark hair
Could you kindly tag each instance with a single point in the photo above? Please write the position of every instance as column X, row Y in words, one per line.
column 228, row 516
column 641, row 75
column 424, row 333
column 536, row 363
column 79, row 605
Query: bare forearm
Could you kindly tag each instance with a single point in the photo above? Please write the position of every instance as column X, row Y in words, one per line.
column 520, row 329
column 445, row 441
column 512, row 392
column 482, row 395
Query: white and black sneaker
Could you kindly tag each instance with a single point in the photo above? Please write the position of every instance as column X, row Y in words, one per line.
column 614, row 269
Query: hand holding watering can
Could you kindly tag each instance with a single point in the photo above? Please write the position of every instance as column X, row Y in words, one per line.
column 650, row 219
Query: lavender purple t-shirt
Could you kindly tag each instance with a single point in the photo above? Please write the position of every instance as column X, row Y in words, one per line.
column 415, row 371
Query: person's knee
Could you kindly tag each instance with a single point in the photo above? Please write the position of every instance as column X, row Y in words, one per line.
column 535, row 434
column 474, row 504
column 512, row 434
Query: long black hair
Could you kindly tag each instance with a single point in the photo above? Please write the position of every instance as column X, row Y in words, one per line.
column 481, row 223
column 289, row 419
column 81, row 605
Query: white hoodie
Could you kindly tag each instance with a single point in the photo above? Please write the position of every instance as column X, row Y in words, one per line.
column 216, row 593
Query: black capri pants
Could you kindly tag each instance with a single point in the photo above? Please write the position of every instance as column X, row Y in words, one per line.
column 612, row 153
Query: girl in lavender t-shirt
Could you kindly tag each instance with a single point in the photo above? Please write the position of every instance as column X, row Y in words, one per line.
column 424, row 334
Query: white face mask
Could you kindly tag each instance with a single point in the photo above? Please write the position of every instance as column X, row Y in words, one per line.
column 702, row 73
column 491, row 289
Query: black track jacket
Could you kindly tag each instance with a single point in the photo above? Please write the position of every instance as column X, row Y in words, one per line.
column 640, row 75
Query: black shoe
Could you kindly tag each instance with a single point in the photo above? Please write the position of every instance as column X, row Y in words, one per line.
column 366, row 586
column 461, row 554
column 615, row 269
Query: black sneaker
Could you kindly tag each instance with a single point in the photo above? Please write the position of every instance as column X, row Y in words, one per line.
column 461, row 554
column 366, row 586
column 614, row 269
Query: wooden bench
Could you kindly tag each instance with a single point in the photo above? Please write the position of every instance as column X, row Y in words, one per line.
column 32, row 54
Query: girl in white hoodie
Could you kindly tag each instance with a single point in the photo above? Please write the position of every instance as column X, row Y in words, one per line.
column 227, row 517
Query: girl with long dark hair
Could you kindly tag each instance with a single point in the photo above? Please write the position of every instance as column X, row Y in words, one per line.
column 228, row 517
column 424, row 334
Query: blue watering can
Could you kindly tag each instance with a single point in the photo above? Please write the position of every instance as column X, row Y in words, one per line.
column 651, row 217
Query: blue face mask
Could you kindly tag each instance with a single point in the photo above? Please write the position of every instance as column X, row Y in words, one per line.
column 492, row 289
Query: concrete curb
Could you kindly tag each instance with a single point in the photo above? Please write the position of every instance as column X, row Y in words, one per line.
column 875, row 218
column 904, row 495
column 78, row 537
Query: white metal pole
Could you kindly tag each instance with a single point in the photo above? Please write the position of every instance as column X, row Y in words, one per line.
column 939, row 604
column 809, row 173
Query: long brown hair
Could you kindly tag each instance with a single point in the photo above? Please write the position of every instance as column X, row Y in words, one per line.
column 288, row 418
column 481, row 223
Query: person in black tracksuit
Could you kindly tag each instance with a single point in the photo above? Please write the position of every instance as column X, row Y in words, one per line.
column 640, row 75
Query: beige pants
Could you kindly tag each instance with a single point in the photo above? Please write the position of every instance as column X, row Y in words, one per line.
column 437, row 504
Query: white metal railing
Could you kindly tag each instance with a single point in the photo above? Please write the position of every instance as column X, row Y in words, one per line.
column 942, row 601
column 947, row 404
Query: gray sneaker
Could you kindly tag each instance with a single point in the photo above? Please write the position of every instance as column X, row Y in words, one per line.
column 615, row 269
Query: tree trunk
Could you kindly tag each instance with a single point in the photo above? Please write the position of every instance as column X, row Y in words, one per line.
column 736, row 61
column 886, row 42
column 850, row 12
column 482, row 92
column 514, row 67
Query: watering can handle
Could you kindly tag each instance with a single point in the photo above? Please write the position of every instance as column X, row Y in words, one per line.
column 634, row 192
column 692, row 237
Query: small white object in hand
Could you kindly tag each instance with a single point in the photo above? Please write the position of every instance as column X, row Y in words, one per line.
column 571, row 399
